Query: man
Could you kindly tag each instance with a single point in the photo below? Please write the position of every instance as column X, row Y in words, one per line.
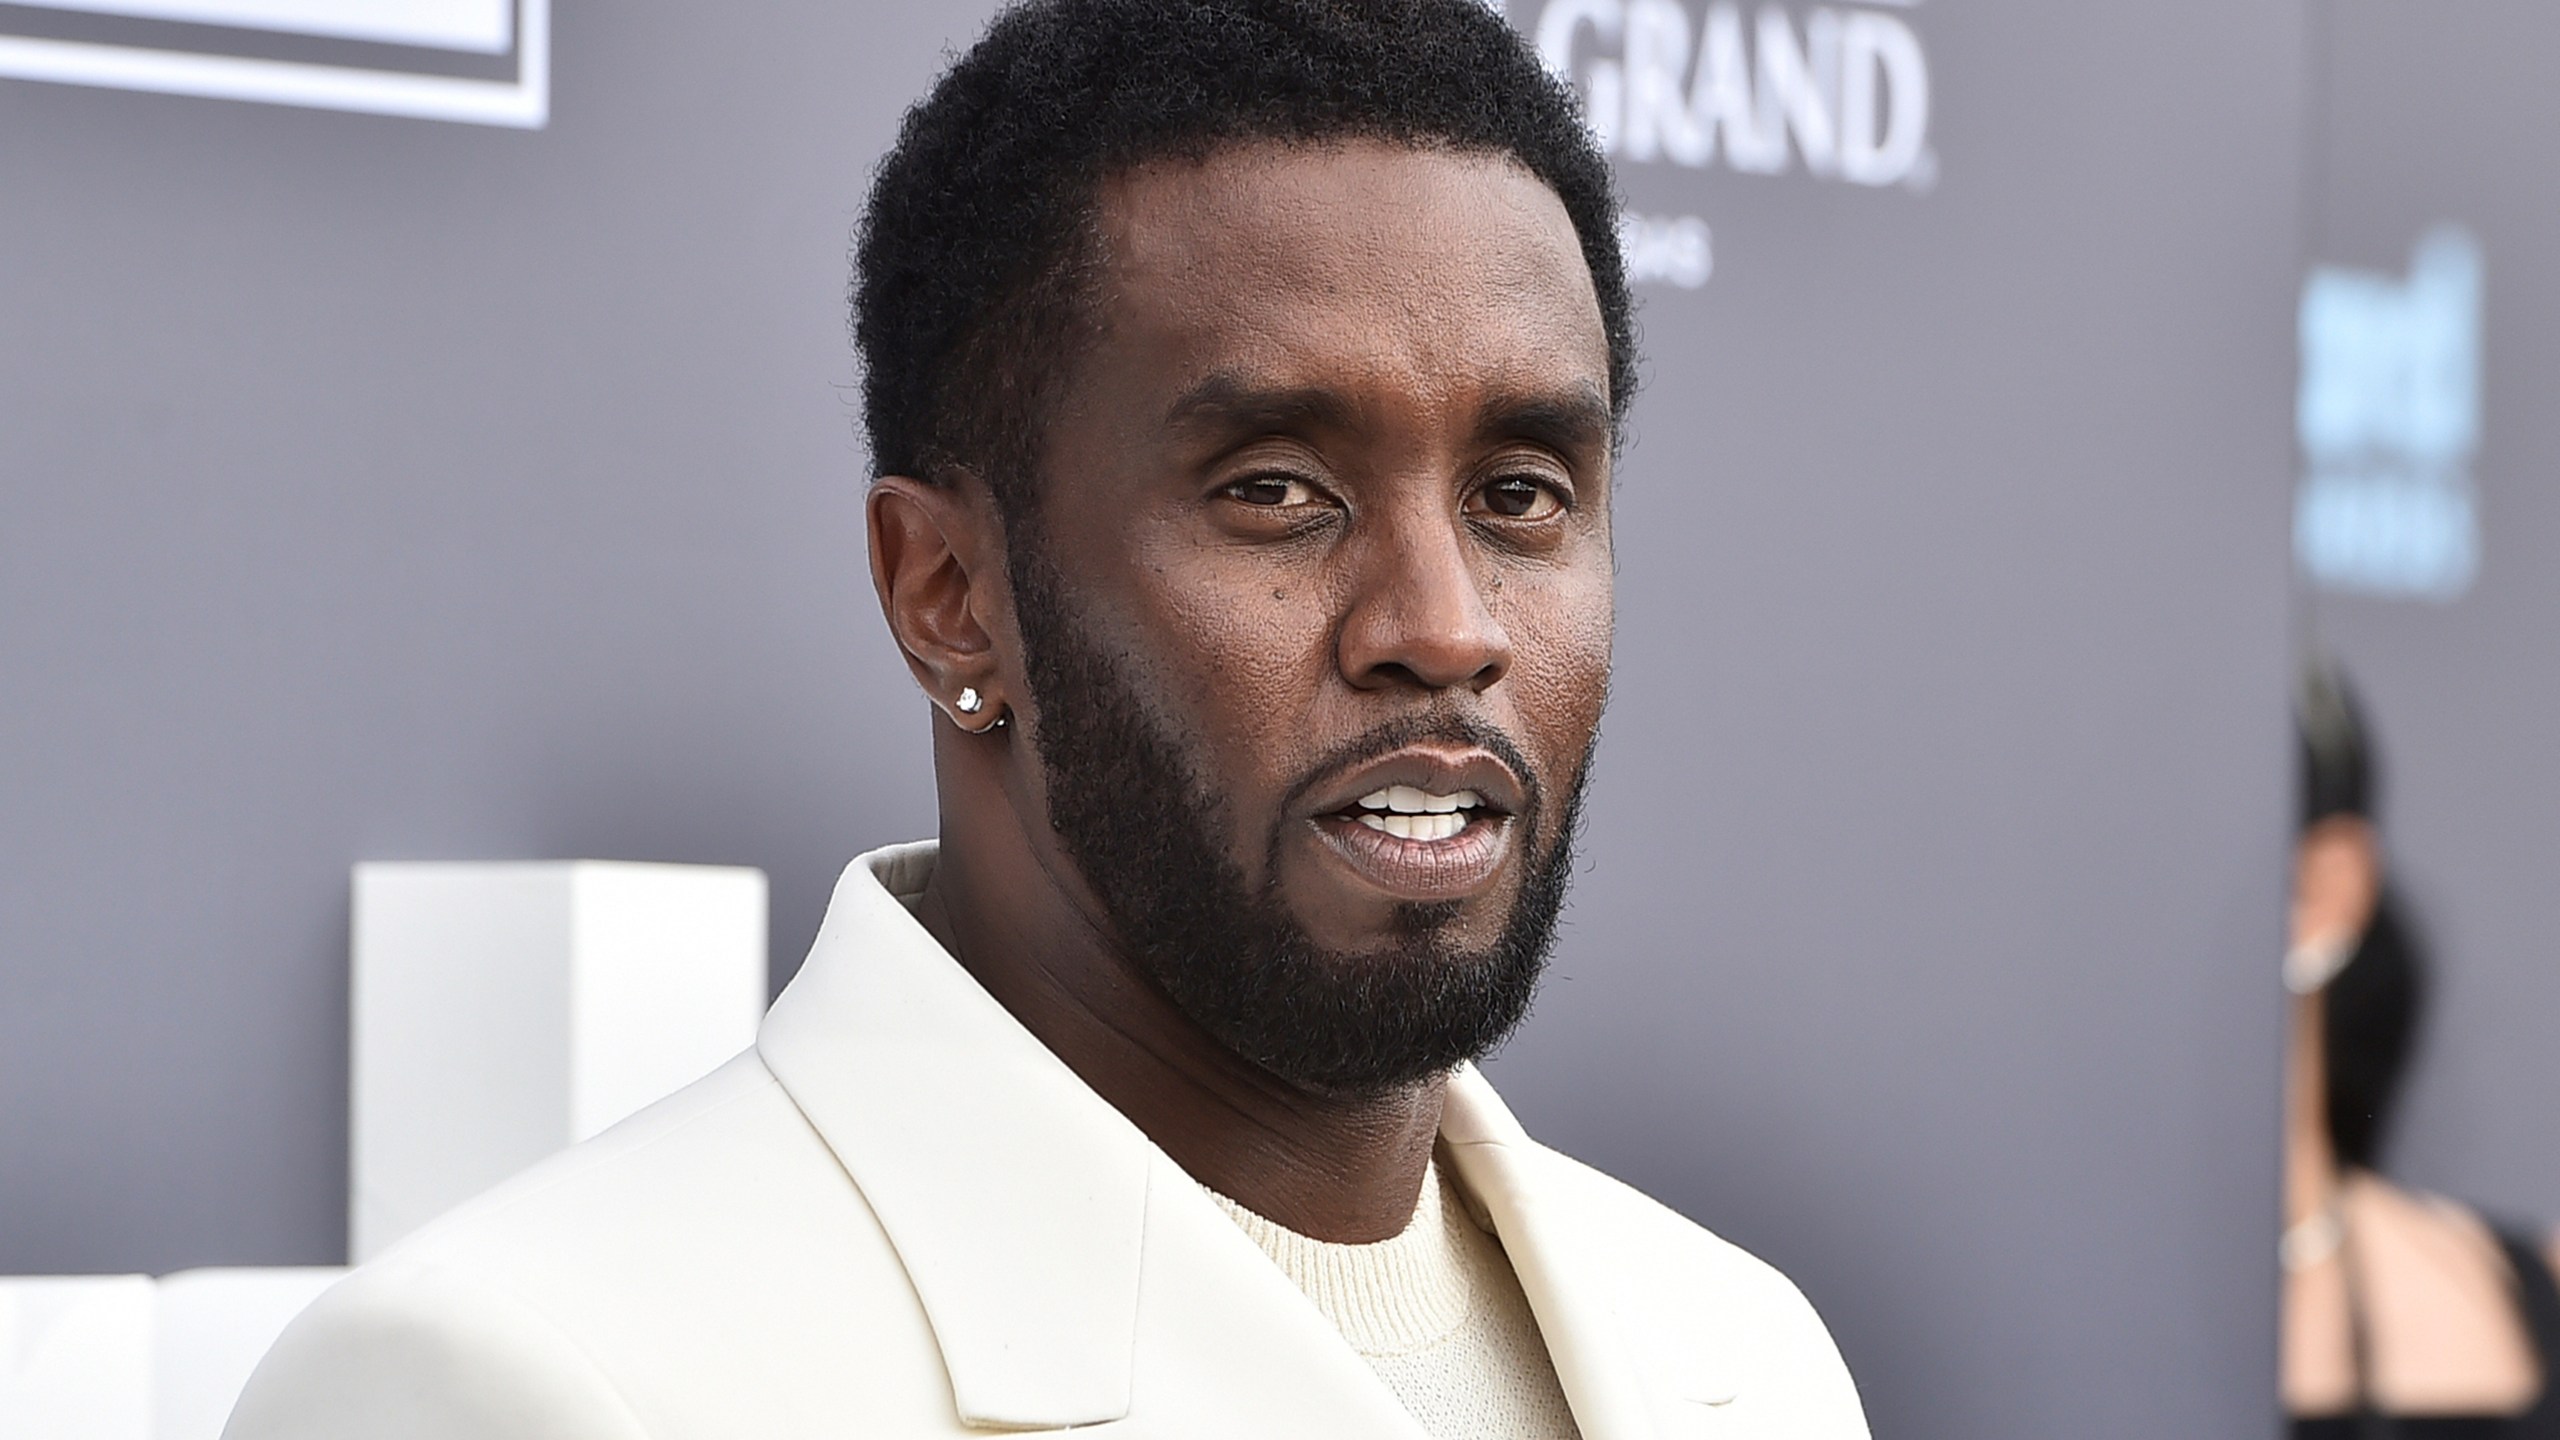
column 1244, row 377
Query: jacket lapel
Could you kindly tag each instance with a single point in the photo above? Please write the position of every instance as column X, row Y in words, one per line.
column 1072, row 1273
column 1014, row 1196
column 1231, row 1349
column 1578, row 1317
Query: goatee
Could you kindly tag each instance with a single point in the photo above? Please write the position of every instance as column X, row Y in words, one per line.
column 1149, row 835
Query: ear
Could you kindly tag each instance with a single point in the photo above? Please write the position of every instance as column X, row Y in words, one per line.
column 936, row 562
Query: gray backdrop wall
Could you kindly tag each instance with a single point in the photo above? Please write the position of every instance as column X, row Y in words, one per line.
column 381, row 489
column 2437, row 114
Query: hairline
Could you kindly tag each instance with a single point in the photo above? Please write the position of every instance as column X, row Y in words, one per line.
column 1081, row 266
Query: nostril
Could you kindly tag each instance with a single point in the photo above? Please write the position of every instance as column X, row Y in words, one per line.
column 1425, row 628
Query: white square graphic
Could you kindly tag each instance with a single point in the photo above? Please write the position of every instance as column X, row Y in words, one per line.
column 474, row 27
column 75, row 1357
column 503, row 1011
column 485, row 27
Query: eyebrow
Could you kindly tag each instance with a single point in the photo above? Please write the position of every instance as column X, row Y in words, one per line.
column 1572, row 419
column 1567, row 421
column 1225, row 400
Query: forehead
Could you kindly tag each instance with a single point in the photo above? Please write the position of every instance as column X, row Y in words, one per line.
column 1357, row 263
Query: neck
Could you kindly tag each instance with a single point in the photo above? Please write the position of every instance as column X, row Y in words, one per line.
column 1016, row 916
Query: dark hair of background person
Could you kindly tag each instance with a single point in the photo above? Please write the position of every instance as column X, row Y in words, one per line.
column 978, row 257
column 2370, row 1012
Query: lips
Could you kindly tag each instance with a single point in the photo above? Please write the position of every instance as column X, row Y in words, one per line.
column 1422, row 824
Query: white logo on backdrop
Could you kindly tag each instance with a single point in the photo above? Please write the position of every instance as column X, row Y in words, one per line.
column 2389, row 420
column 387, row 57
column 1673, row 250
column 1843, row 92
column 1838, row 94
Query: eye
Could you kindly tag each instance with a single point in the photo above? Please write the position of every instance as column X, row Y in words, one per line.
column 1272, row 491
column 1518, row 497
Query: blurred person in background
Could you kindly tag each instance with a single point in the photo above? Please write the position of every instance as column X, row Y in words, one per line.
column 2406, row 1315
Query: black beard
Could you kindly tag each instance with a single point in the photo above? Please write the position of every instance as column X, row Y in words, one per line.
column 1147, row 834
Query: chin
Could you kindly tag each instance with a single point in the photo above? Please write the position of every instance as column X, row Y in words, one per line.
column 1414, row 933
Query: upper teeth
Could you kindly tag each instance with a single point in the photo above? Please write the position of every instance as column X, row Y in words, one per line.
column 1411, row 814
column 1407, row 800
column 1416, row 827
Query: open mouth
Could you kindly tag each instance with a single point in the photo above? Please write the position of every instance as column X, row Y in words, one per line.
column 1423, row 823
column 1409, row 812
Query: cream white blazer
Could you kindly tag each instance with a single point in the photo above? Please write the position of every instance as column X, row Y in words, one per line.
column 901, row 1216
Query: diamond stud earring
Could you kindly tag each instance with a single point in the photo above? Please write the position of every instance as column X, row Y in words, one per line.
column 971, row 702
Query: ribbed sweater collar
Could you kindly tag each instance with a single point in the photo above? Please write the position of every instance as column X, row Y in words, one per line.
column 1390, row 1297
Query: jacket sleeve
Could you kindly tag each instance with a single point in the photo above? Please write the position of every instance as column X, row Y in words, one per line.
column 421, row 1353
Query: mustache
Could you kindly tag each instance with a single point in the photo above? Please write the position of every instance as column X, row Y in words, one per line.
column 1446, row 727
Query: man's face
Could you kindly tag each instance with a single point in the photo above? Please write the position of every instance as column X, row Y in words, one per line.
column 1316, row 612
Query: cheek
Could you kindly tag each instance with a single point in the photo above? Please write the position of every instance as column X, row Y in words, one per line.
column 1561, row 642
column 1244, row 657
column 1258, row 664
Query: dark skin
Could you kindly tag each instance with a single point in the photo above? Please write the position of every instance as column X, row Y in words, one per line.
column 1340, row 456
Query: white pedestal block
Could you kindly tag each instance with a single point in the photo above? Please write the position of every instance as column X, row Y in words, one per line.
column 504, row 1011
column 213, row 1328
column 75, row 1357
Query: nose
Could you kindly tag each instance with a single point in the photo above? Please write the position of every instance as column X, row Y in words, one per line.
column 1420, row 616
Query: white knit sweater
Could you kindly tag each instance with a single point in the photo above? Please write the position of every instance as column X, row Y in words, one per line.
column 1437, row 1312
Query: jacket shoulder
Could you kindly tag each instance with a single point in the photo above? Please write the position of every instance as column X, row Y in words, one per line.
column 421, row 1353
column 728, row 1153
column 707, row 1267
column 1697, row 1305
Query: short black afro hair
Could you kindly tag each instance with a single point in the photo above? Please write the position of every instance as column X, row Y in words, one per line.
column 975, row 259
